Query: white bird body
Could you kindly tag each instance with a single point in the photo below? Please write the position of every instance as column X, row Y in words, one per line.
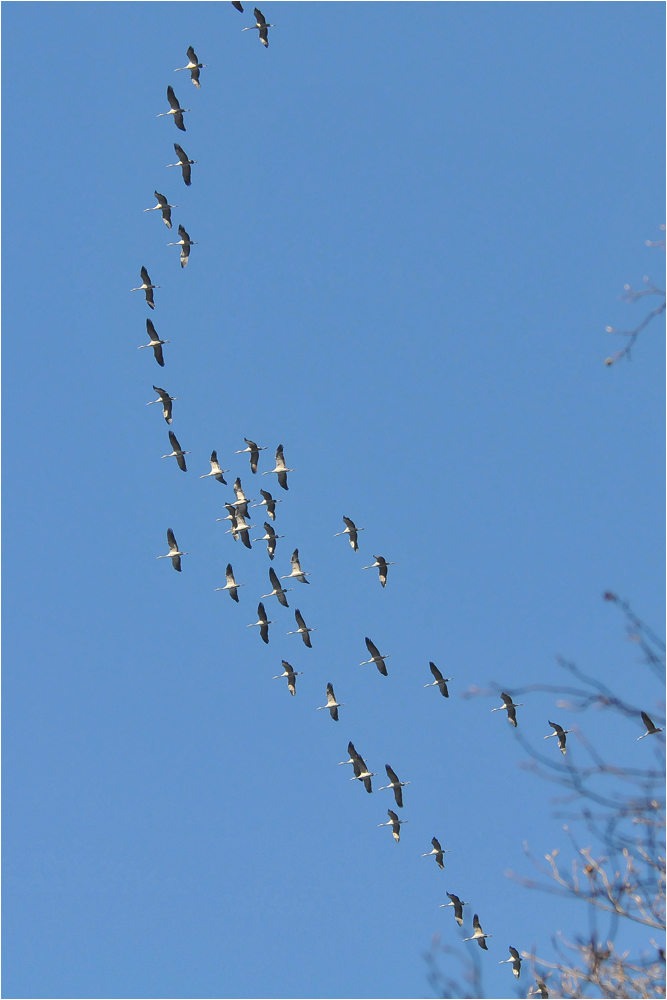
column 269, row 503
column 155, row 343
column 651, row 729
column 395, row 823
column 242, row 528
column 376, row 657
column 174, row 109
column 269, row 537
column 146, row 287
column 297, row 573
column 514, row 961
column 242, row 501
column 194, row 66
column 164, row 207
column 359, row 766
column 439, row 682
column 184, row 163
column 174, row 552
column 277, row 591
column 560, row 733
column 177, row 452
column 165, row 399
column 478, row 934
column 184, row 243
column 254, row 450
column 216, row 471
column 351, row 530
column 381, row 564
column 303, row 629
column 263, row 623
column 458, row 905
column 395, row 784
column 438, row 853
column 261, row 25
column 510, row 707
column 281, row 469
column 331, row 704
column 291, row 674
column 232, row 586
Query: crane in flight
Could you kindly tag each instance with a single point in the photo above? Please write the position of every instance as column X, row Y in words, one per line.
column 254, row 450
column 146, row 287
column 277, row 591
column 242, row 501
column 281, row 469
column 231, row 516
column 395, row 823
column 232, row 586
column 439, row 682
column 269, row 503
column 351, row 530
column 297, row 573
column 165, row 399
column 514, row 961
column 395, row 784
column 174, row 109
column 478, row 934
column 458, row 905
column 216, row 471
column 269, row 537
column 184, row 163
column 291, row 674
column 184, row 243
column 439, row 857
column 332, row 704
column 302, row 630
column 261, row 26
column 381, row 564
column 650, row 728
column 164, row 207
column 174, row 552
column 194, row 66
column 155, row 343
column 560, row 734
column 511, row 708
column 263, row 623
column 376, row 657
column 359, row 767
column 241, row 527
column 177, row 452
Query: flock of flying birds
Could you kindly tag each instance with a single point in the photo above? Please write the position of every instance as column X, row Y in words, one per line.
column 238, row 516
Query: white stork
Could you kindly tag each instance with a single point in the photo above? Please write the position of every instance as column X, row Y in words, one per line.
column 458, row 905
column 194, row 66
column 478, row 934
column 269, row 503
column 177, row 452
column 291, row 674
column 174, row 552
column 262, row 26
column 155, row 343
column 395, row 823
column 216, row 471
column 514, row 961
column 269, row 537
column 146, row 287
column 184, row 243
column 281, row 469
column 164, row 207
column 395, row 784
column 184, row 163
column 263, row 623
column 277, row 591
column 174, row 109
column 438, row 853
column 510, row 707
column 376, row 657
column 331, row 704
column 560, row 734
column 303, row 629
column 232, row 586
column 351, row 530
column 254, row 450
column 297, row 573
column 440, row 681
column 165, row 399
column 381, row 564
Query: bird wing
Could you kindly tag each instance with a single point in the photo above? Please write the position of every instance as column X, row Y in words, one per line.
column 180, row 153
column 515, row 954
column 261, row 612
column 436, row 673
column 392, row 815
column 270, row 531
column 150, row 328
column 182, row 233
column 299, row 619
column 372, row 649
column 280, row 458
column 187, row 173
column 558, row 729
column 159, row 356
column 398, row 795
column 368, row 784
column 330, row 693
column 511, row 714
column 275, row 582
column 173, row 441
column 171, row 541
column 267, row 496
column 391, row 774
column 296, row 565
column 282, row 480
column 264, row 632
column 145, row 276
column 238, row 5
column 162, row 393
column 647, row 721
column 507, row 699
column 349, row 523
column 259, row 17
column 352, row 751
column 476, row 924
column 162, row 201
column 191, row 55
column 264, row 36
column 436, row 843
column 173, row 100
column 229, row 573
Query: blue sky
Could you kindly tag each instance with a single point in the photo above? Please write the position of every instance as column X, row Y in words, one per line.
column 414, row 223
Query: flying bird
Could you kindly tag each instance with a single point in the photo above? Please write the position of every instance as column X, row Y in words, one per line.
column 351, row 530
column 184, row 163
column 231, row 516
column 270, row 538
column 174, row 552
column 261, row 26
column 376, row 657
column 381, row 564
column 297, row 573
column 254, row 450
column 395, row 784
column 155, row 343
column 232, row 586
column 439, row 859
column 458, row 907
column 560, row 734
column 514, row 961
column 269, row 503
column 440, row 681
column 177, row 452
column 359, row 766
column 184, row 243
column 216, row 471
column 291, row 674
column 395, row 824
column 164, row 206
column 146, row 287
column 241, row 528
column 650, row 728
column 175, row 109
column 238, row 5
column 263, row 623
column 281, row 469
column 303, row 629
column 194, row 66
column 478, row 934
column 165, row 399
column 242, row 501
column 277, row 591
column 511, row 708
column 332, row 704
column 539, row 990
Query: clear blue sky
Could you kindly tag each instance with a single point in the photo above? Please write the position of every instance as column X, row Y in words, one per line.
column 414, row 223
